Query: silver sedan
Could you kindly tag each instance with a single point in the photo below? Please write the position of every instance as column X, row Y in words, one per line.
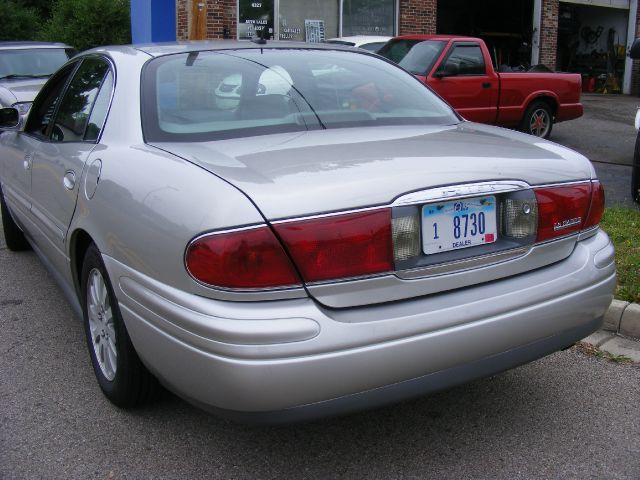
column 280, row 231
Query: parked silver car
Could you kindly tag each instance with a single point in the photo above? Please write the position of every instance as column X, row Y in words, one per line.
column 25, row 67
column 372, row 43
column 344, row 244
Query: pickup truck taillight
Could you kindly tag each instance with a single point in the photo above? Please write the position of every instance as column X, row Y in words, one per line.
column 567, row 209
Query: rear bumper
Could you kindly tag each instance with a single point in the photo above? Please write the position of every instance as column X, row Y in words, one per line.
column 569, row 111
column 294, row 360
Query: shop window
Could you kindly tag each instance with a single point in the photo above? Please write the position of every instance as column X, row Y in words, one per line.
column 308, row 20
column 315, row 20
column 368, row 17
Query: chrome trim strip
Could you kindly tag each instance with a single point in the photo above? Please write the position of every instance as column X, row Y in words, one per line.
column 226, row 230
column 565, row 184
column 588, row 233
column 330, row 214
column 454, row 192
column 461, row 265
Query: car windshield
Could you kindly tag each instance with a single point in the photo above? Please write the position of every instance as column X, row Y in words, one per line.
column 31, row 62
column 209, row 95
column 417, row 56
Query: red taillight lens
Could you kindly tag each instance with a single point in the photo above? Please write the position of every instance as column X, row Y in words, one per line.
column 562, row 210
column 340, row 246
column 251, row 258
column 597, row 205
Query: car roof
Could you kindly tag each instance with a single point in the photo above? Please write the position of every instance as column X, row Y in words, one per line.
column 436, row 37
column 25, row 44
column 360, row 39
column 169, row 48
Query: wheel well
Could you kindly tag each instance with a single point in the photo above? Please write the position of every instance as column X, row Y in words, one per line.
column 550, row 101
column 79, row 244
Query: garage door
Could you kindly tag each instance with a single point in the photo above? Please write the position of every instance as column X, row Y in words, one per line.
column 602, row 3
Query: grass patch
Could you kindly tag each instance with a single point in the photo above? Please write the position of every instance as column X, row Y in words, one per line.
column 623, row 226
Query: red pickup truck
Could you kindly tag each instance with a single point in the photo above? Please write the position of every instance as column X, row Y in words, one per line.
column 460, row 69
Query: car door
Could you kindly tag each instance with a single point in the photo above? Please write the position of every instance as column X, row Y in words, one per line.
column 59, row 160
column 468, row 85
column 21, row 146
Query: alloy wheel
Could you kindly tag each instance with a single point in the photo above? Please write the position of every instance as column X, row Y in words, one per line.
column 101, row 324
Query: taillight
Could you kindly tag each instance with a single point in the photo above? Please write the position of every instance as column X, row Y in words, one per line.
column 248, row 258
column 340, row 246
column 563, row 210
column 597, row 205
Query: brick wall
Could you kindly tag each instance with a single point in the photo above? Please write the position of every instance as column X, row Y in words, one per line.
column 182, row 20
column 418, row 17
column 549, row 33
column 220, row 15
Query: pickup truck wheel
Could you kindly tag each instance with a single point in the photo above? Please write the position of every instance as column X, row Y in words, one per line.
column 538, row 120
column 13, row 236
column 121, row 375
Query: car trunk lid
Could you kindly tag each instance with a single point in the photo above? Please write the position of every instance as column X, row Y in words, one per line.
column 307, row 175
column 300, row 174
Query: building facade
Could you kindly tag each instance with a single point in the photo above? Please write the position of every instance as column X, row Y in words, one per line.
column 590, row 37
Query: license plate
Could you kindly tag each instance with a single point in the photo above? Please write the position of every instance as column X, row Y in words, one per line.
column 458, row 224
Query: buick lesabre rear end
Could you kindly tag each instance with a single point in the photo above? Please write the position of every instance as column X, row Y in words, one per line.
column 282, row 232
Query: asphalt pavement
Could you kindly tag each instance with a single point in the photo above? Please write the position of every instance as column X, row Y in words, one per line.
column 569, row 415
column 605, row 135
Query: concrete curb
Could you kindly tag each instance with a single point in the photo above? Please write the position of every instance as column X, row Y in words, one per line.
column 623, row 318
column 620, row 334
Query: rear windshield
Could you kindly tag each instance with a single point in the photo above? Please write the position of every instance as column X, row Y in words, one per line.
column 32, row 62
column 211, row 95
column 373, row 46
column 417, row 56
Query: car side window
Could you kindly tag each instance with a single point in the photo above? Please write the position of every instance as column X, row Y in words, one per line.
column 100, row 108
column 466, row 60
column 72, row 117
column 45, row 103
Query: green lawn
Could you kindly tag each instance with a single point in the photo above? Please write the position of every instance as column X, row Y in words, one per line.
column 623, row 226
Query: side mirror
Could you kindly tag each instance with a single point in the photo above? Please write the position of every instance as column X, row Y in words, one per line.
column 447, row 70
column 636, row 123
column 9, row 118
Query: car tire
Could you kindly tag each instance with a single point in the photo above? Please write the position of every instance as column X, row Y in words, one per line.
column 537, row 120
column 13, row 236
column 123, row 378
column 635, row 173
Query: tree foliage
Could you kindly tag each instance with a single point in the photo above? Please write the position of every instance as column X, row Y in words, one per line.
column 19, row 22
column 88, row 23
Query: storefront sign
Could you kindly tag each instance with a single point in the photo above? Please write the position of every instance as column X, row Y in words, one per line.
column 254, row 18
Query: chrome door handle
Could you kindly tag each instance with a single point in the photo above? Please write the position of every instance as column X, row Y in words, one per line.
column 69, row 180
column 27, row 162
